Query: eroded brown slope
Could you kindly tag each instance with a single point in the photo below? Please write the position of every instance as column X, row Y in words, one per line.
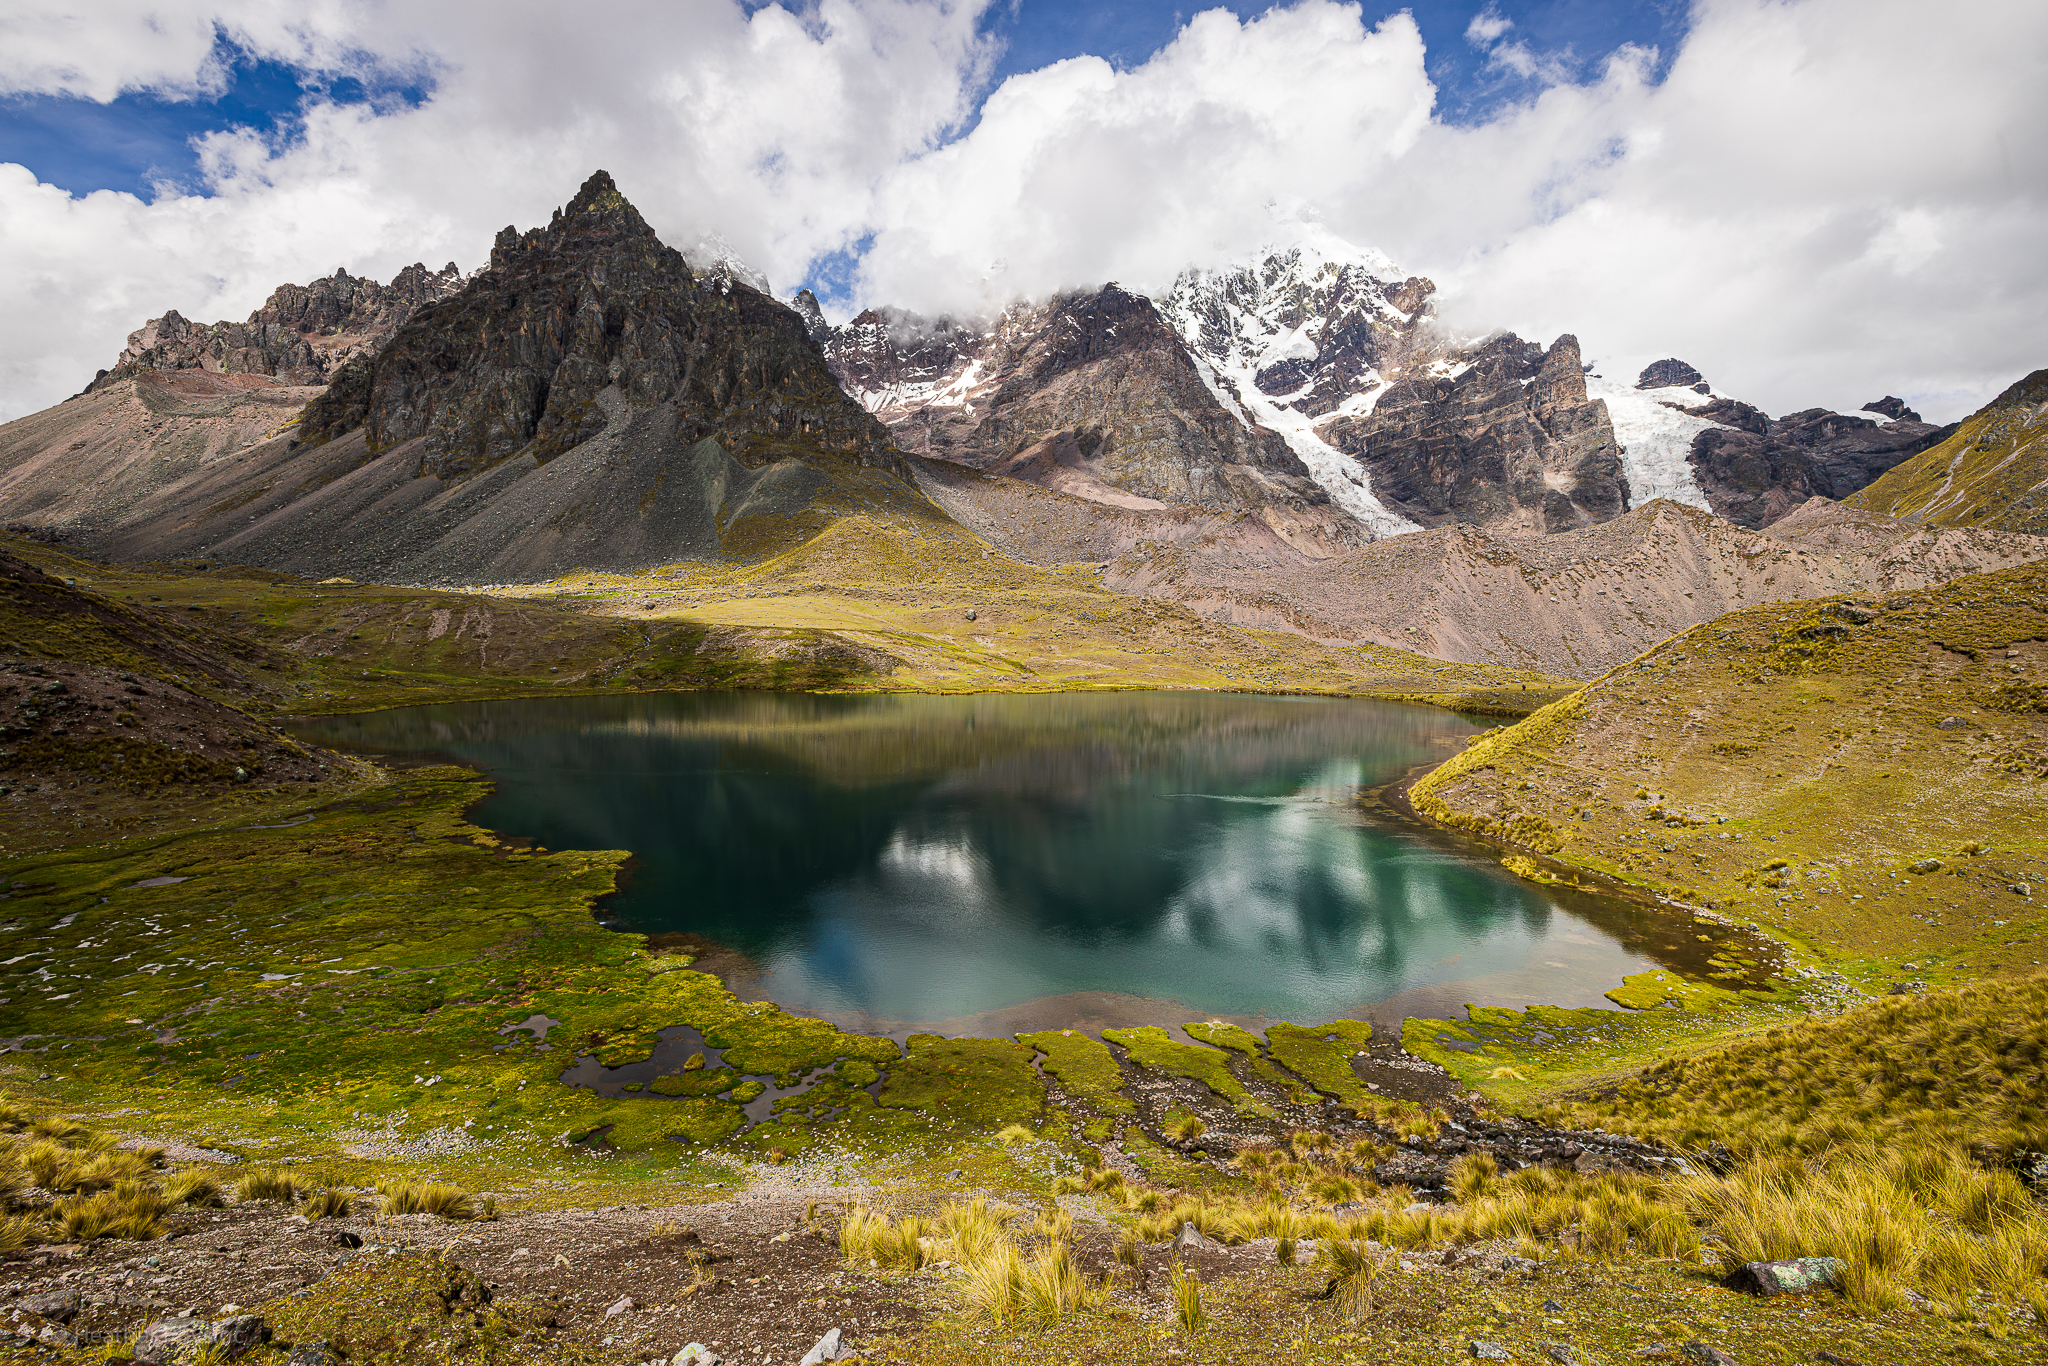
column 1577, row 603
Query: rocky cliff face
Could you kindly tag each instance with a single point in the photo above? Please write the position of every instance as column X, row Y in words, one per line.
column 1304, row 334
column 301, row 336
column 1091, row 394
column 574, row 323
column 1509, row 440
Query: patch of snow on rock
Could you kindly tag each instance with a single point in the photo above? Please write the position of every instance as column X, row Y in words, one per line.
column 1656, row 441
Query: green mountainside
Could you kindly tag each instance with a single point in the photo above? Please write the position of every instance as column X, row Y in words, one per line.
column 1992, row 473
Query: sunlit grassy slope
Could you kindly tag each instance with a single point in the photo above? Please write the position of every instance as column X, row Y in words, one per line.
column 1992, row 473
column 1866, row 778
column 871, row 603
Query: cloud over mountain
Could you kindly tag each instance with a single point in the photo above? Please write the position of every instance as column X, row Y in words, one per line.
column 1816, row 198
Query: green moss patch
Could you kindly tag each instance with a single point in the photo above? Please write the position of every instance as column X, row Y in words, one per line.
column 1085, row 1067
column 1150, row 1046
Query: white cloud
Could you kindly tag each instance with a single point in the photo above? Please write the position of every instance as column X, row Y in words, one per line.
column 1823, row 200
column 773, row 129
column 1487, row 26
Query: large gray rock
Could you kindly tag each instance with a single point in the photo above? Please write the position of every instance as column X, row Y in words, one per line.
column 831, row 1347
column 167, row 1339
column 1794, row 1276
column 169, row 1342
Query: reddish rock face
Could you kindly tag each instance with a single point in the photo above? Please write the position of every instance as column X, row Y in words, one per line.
column 301, row 336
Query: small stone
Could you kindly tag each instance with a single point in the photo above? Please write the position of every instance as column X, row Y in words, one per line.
column 970, row 614
column 1706, row 1354
column 1517, row 1264
column 312, row 1354
column 696, row 1354
column 1827, row 1358
column 2022, row 889
column 625, row 1304
column 1561, row 1353
column 1489, row 1351
column 830, row 1347
column 1192, row 1237
column 1950, row 723
column 1928, row 865
column 1552, row 1307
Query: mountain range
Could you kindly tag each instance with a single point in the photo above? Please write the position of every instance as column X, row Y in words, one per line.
column 1291, row 442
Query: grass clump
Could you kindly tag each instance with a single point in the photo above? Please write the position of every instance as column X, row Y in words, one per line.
column 267, row 1183
column 875, row 1240
column 1958, row 1068
column 441, row 1199
column 1187, row 1298
column 328, row 1203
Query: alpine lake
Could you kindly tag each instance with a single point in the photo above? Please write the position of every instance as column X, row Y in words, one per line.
column 987, row 864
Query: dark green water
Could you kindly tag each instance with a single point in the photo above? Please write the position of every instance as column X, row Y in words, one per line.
column 1010, row 862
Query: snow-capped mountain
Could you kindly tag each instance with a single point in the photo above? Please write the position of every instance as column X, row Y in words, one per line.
column 1299, row 333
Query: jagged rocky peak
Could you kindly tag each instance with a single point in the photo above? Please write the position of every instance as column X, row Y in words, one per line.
column 1672, row 373
column 1314, row 321
column 301, row 335
column 579, row 324
column 1893, row 408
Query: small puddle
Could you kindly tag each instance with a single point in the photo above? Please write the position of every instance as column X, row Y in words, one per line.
column 673, row 1049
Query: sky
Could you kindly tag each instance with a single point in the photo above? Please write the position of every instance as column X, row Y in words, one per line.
column 1814, row 201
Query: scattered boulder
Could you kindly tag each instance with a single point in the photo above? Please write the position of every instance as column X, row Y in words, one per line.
column 242, row 1333
column 1717, row 1157
column 1561, row 1353
column 1950, row 723
column 1927, row 865
column 1193, row 1239
column 18, row 1326
column 1489, row 1351
column 1794, row 1276
column 626, row 1304
column 831, row 1347
column 1706, row 1353
column 312, row 1354
column 168, row 1339
column 58, row 1306
column 697, row 1354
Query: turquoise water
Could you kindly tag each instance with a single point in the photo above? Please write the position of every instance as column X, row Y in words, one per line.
column 999, row 862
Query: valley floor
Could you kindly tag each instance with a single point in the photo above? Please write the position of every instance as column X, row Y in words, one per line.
column 341, row 979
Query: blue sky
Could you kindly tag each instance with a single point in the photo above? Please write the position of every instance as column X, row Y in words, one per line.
column 138, row 140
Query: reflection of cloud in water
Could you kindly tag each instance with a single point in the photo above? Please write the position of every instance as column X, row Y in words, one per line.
column 921, row 859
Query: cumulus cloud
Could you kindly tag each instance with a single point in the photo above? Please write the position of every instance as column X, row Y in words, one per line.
column 774, row 129
column 1818, row 201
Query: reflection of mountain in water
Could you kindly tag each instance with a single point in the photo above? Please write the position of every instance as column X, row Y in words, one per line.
column 919, row 858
